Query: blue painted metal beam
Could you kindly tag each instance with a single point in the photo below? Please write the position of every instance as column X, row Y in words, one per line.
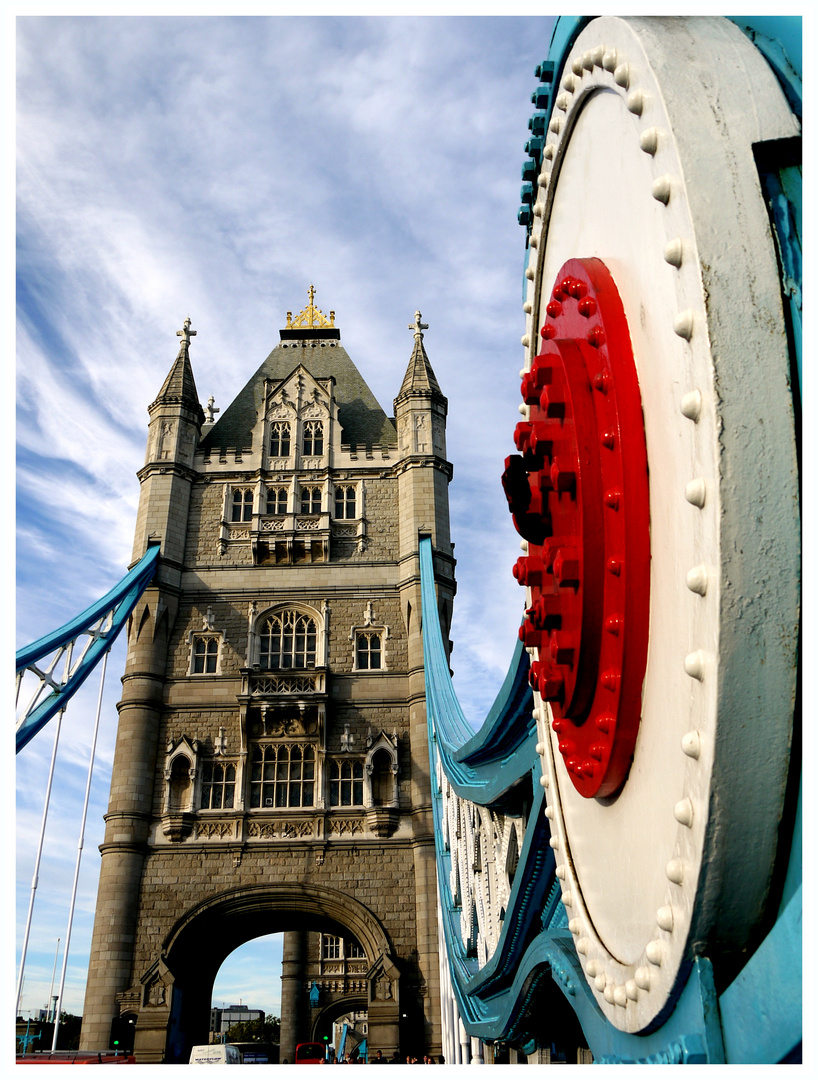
column 113, row 609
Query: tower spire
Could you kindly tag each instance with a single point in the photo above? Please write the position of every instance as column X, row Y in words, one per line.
column 419, row 377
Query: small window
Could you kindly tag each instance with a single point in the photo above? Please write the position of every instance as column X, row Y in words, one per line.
column 205, row 656
column 280, row 439
column 353, row 951
column 311, row 500
column 218, row 786
column 345, row 502
column 346, row 785
column 330, row 947
column 367, row 651
column 277, row 500
column 313, row 438
column 242, row 504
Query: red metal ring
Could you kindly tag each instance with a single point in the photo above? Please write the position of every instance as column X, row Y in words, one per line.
column 579, row 495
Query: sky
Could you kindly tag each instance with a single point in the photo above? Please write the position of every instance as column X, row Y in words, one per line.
column 215, row 167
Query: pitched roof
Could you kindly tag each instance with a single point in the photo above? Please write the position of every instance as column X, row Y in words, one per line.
column 179, row 388
column 363, row 421
column 419, row 375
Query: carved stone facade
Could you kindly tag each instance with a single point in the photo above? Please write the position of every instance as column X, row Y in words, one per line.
column 271, row 770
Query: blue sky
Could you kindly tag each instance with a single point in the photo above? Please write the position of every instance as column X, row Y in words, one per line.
column 215, row 167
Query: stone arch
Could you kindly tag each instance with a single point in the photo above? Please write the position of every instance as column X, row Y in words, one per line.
column 201, row 939
column 258, row 620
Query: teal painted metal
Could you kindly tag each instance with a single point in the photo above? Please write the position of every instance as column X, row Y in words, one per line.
column 113, row 609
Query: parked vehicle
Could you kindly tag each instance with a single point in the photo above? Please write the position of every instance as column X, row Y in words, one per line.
column 216, row 1054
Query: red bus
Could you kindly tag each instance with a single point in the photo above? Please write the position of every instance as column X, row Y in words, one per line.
column 310, row 1053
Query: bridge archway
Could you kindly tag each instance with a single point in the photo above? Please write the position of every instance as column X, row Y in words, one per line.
column 176, row 988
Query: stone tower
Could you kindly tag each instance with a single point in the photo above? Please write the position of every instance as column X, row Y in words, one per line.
column 271, row 769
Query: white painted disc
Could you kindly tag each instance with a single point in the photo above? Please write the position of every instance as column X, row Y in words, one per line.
column 648, row 166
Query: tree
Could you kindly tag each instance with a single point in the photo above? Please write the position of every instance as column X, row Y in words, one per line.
column 267, row 1030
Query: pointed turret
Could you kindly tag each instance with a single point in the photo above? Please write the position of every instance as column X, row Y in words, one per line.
column 419, row 377
column 176, row 419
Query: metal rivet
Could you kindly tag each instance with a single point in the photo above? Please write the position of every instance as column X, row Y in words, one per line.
column 636, row 101
column 582, row 946
column 696, row 580
column 567, row 899
column 529, row 273
column 664, row 917
column 649, row 140
column 555, row 125
column 533, row 241
column 694, row 665
column 599, row 982
column 632, row 990
column 524, row 545
column 683, row 324
column 554, row 843
column 608, row 993
column 591, row 968
column 622, row 75
column 692, row 744
column 528, row 307
column 642, row 978
column 674, row 252
column 609, row 60
column 661, row 189
column 675, row 871
column 544, row 177
column 691, row 405
column 683, row 812
column 575, row 926
column 538, row 210
column 654, row 953
column 696, row 491
column 544, row 781
column 540, row 748
column 549, row 812
column 562, row 102
column 561, row 872
column 523, row 409
column 569, row 83
column 588, row 60
column 548, row 152
column 620, row 997
column 525, row 340
column 597, row 53
column 576, row 65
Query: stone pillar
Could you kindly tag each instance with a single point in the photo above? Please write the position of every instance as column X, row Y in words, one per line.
column 293, row 993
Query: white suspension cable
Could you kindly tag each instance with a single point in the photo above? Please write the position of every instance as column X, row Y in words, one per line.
column 79, row 852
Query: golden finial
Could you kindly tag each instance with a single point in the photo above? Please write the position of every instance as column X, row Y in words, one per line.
column 311, row 316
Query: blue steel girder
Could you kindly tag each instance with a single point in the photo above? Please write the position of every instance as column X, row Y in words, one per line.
column 101, row 622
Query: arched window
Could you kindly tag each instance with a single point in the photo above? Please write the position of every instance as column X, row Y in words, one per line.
column 368, row 650
column 205, row 660
column 346, row 785
column 287, row 640
column 277, row 500
column 311, row 500
column 345, row 502
column 282, row 775
column 218, row 785
column 313, row 438
column 280, row 439
column 242, row 504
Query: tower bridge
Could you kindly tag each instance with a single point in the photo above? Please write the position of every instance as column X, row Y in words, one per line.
column 573, row 879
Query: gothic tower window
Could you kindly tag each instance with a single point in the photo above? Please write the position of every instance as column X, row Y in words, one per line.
column 345, row 502
column 218, row 786
column 282, row 775
column 346, row 785
column 287, row 640
column 313, row 438
column 205, row 655
column 280, row 439
column 277, row 500
column 242, row 504
column 311, row 500
column 368, row 650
